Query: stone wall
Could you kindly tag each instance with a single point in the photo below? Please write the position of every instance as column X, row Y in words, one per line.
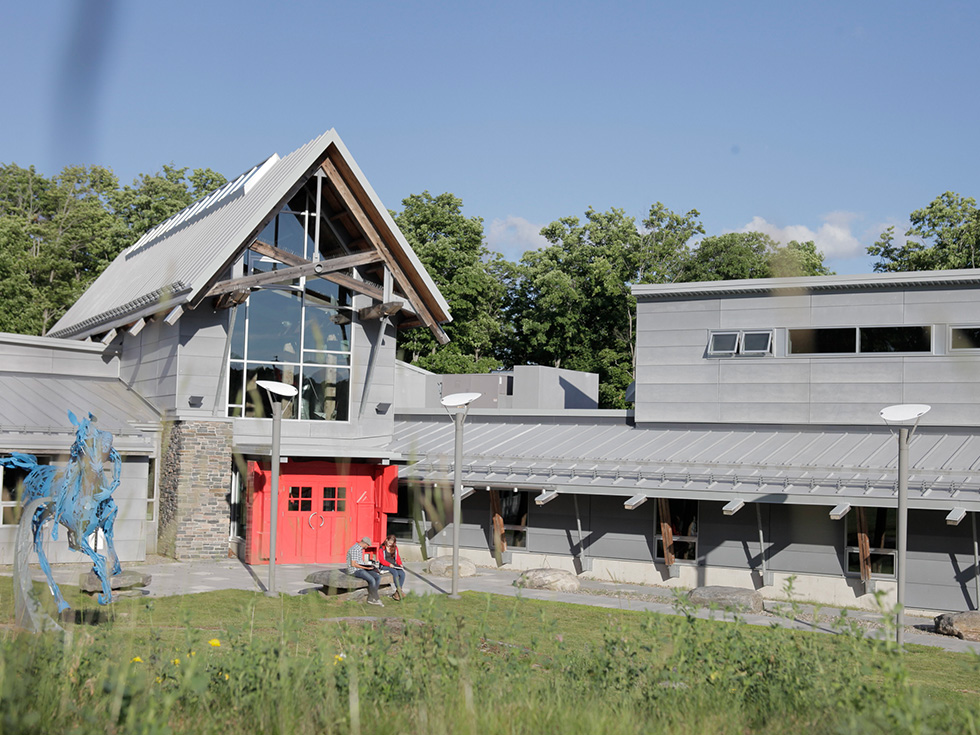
column 194, row 482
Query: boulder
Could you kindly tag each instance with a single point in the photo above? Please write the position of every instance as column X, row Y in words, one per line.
column 735, row 598
column 337, row 581
column 124, row 580
column 548, row 579
column 964, row 625
column 442, row 566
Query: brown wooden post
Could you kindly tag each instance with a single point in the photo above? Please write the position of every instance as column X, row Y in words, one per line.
column 499, row 540
column 864, row 545
column 666, row 533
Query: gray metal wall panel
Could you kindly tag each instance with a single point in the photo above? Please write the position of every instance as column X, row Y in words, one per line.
column 848, row 390
column 730, row 541
column 941, row 571
column 659, row 375
column 617, row 533
column 803, row 539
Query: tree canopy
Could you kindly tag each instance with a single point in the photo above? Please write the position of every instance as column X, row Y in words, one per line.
column 473, row 280
column 57, row 235
column 945, row 234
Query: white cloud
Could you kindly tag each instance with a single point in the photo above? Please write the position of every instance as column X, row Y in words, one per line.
column 513, row 236
column 833, row 238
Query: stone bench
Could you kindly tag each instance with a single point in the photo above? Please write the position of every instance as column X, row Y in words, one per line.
column 338, row 581
column 735, row 598
column 125, row 584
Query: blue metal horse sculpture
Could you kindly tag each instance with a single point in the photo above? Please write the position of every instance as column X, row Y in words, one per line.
column 81, row 500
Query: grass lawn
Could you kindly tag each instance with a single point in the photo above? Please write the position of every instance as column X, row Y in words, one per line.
column 203, row 662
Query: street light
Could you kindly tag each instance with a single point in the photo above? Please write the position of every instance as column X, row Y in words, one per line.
column 903, row 416
column 277, row 391
column 457, row 405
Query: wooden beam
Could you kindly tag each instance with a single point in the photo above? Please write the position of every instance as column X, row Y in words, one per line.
column 342, row 279
column 306, row 268
column 368, row 230
column 379, row 310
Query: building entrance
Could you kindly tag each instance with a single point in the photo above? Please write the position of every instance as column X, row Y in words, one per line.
column 323, row 508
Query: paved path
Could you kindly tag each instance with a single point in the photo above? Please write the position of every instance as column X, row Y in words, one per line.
column 181, row 578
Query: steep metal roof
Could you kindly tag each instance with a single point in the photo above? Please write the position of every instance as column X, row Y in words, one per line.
column 176, row 262
column 598, row 453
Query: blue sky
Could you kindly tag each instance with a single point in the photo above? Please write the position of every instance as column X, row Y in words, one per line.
column 824, row 120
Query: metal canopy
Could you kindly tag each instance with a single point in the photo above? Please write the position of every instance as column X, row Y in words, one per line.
column 34, row 412
column 778, row 464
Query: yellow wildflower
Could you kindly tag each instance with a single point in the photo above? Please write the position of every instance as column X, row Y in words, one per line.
column 338, row 658
column 215, row 642
column 176, row 662
column 192, row 653
column 136, row 660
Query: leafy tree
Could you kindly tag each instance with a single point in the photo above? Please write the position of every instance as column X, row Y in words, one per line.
column 57, row 235
column 473, row 280
column 572, row 307
column 945, row 234
column 152, row 198
column 737, row 255
column 733, row 255
column 665, row 253
column 798, row 259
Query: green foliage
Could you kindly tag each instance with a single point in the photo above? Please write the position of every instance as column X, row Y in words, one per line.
column 738, row 255
column 572, row 307
column 482, row 664
column 473, row 280
column 57, row 235
column 945, row 234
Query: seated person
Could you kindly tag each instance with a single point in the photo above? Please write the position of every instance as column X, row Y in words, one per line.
column 361, row 568
column 391, row 561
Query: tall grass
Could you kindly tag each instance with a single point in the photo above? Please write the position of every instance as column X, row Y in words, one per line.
column 442, row 671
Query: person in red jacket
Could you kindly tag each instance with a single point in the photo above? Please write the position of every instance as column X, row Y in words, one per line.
column 391, row 561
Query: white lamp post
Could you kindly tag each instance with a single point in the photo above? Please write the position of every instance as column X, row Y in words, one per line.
column 277, row 391
column 906, row 417
column 457, row 405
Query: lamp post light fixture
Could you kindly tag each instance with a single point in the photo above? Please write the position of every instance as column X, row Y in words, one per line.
column 277, row 392
column 906, row 417
column 457, row 405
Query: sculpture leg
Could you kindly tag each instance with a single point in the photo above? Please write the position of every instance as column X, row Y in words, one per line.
column 98, row 566
column 108, row 531
column 40, row 517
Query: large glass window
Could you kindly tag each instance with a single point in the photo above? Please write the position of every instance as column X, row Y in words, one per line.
column 299, row 336
column 822, row 341
column 864, row 340
column 896, row 339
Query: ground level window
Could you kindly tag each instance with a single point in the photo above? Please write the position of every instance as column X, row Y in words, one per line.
column 870, row 542
column 677, row 530
column 509, row 517
column 12, row 482
column 402, row 521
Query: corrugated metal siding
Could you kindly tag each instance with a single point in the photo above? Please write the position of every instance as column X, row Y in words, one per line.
column 40, row 403
column 790, row 464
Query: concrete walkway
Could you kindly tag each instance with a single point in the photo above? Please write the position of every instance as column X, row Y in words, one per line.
column 180, row 578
